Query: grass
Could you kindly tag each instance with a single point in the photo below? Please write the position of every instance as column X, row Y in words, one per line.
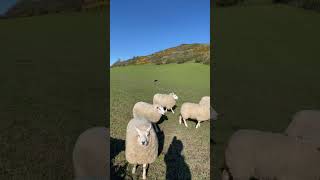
column 267, row 62
column 185, row 151
column 52, row 83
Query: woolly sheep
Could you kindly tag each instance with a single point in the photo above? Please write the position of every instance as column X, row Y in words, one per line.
column 266, row 155
column 305, row 124
column 90, row 155
column 166, row 100
column 151, row 112
column 141, row 144
column 194, row 111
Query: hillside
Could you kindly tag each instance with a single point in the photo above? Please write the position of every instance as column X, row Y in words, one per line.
column 199, row 53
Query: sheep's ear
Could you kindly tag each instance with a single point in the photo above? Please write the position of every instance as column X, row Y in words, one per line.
column 138, row 130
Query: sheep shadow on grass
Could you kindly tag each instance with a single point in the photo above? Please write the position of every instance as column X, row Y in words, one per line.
column 118, row 171
column 176, row 167
column 161, row 138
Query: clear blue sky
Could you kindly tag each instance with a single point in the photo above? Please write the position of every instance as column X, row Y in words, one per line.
column 141, row 27
column 5, row 4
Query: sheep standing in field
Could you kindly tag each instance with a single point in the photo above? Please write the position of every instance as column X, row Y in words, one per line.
column 194, row 111
column 141, row 144
column 90, row 155
column 152, row 112
column 166, row 100
column 265, row 155
column 205, row 100
column 305, row 124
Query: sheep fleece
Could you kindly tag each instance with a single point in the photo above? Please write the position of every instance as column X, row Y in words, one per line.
column 135, row 153
column 90, row 154
column 146, row 110
column 264, row 155
column 205, row 100
column 195, row 111
column 164, row 100
column 305, row 124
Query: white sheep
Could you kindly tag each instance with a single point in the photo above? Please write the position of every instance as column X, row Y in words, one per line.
column 141, row 144
column 166, row 100
column 194, row 111
column 266, row 155
column 151, row 112
column 305, row 124
column 90, row 154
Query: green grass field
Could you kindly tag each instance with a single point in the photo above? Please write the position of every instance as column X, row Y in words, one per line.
column 268, row 64
column 52, row 82
column 188, row 155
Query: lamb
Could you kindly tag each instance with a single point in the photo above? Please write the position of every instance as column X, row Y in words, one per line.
column 194, row 111
column 90, row 154
column 305, row 124
column 166, row 100
column 141, row 144
column 265, row 155
column 152, row 112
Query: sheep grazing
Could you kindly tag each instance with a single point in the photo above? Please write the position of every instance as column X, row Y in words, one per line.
column 194, row 111
column 166, row 100
column 264, row 155
column 151, row 112
column 305, row 124
column 141, row 144
column 90, row 155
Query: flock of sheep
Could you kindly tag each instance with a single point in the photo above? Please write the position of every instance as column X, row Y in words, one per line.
column 141, row 138
column 90, row 157
column 292, row 155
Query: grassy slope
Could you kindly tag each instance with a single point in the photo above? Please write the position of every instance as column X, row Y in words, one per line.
column 190, row 82
column 50, row 82
column 267, row 68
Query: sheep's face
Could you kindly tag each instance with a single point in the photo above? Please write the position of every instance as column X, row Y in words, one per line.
column 159, row 109
column 174, row 96
column 143, row 136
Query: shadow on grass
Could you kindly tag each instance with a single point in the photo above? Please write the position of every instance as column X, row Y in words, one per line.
column 176, row 166
column 118, row 171
column 161, row 138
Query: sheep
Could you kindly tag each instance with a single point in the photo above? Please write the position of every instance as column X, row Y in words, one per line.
column 141, row 144
column 166, row 100
column 305, row 124
column 194, row 111
column 265, row 155
column 152, row 112
column 90, row 155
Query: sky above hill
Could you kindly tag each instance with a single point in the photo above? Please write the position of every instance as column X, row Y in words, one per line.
column 142, row 27
column 5, row 4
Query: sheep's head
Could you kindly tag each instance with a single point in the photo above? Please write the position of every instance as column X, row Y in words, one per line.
column 143, row 136
column 174, row 95
column 159, row 109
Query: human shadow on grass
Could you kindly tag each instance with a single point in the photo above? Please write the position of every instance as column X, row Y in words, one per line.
column 118, row 171
column 176, row 167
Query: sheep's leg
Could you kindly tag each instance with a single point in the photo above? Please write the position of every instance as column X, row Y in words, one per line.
column 144, row 176
column 172, row 111
column 184, row 121
column 134, row 168
column 198, row 124
column 180, row 120
column 166, row 110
